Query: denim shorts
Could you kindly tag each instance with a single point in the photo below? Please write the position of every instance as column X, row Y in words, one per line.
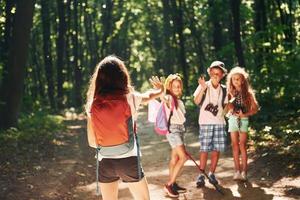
column 212, row 137
column 176, row 135
column 126, row 169
column 234, row 125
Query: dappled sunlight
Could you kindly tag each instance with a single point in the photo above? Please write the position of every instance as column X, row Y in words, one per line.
column 59, row 142
column 161, row 172
column 194, row 144
column 74, row 127
column 68, row 161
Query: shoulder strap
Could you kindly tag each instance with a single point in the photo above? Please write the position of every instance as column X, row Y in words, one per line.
column 171, row 113
column 203, row 97
column 224, row 94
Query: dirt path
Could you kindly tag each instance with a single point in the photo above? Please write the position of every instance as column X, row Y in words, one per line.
column 70, row 173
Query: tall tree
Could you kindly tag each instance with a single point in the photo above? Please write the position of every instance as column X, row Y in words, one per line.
column 13, row 81
column 235, row 9
column 77, row 68
column 178, row 18
column 260, row 24
column 168, row 60
column 45, row 13
column 60, row 49
column 5, row 43
column 107, row 20
column 214, row 18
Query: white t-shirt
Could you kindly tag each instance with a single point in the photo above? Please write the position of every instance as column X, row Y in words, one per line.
column 178, row 116
column 134, row 105
column 214, row 96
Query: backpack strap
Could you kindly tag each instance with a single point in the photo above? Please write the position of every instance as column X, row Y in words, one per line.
column 137, row 141
column 224, row 94
column 97, row 172
column 203, row 98
column 223, row 87
column 171, row 113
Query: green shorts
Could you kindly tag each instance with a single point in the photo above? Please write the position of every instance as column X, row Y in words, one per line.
column 235, row 125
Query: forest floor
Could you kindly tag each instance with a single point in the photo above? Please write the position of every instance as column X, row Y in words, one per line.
column 68, row 170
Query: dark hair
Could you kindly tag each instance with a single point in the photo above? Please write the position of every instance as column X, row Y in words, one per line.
column 112, row 77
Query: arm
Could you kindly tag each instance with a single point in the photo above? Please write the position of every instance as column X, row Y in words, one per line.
column 253, row 109
column 90, row 133
column 198, row 97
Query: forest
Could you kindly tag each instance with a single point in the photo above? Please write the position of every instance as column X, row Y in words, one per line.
column 49, row 49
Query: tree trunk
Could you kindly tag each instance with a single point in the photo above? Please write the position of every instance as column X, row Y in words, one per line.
column 178, row 19
column 235, row 8
column 9, row 18
column 45, row 13
column 90, row 38
column 61, row 51
column 168, row 59
column 107, row 19
column 217, row 35
column 38, row 67
column 13, row 82
column 77, row 68
column 260, row 23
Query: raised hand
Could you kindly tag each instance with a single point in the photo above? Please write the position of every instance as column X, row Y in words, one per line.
column 156, row 82
column 202, row 82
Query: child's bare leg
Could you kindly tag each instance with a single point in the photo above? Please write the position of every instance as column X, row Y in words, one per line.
column 243, row 149
column 203, row 160
column 139, row 190
column 172, row 163
column 180, row 152
column 109, row 191
column 235, row 150
column 214, row 160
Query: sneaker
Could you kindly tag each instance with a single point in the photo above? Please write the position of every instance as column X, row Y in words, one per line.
column 244, row 176
column 212, row 179
column 178, row 188
column 200, row 181
column 171, row 192
column 237, row 176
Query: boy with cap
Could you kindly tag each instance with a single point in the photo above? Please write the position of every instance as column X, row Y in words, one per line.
column 211, row 97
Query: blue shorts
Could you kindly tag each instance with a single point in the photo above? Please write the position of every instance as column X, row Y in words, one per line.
column 212, row 137
column 234, row 125
column 176, row 137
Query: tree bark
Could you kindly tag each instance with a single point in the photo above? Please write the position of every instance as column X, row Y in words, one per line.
column 5, row 44
column 47, row 51
column 216, row 26
column 77, row 68
column 168, row 51
column 107, row 19
column 13, row 82
column 235, row 9
column 178, row 20
column 61, row 51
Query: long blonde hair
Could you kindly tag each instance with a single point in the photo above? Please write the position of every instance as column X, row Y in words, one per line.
column 168, row 85
column 110, row 77
column 248, row 95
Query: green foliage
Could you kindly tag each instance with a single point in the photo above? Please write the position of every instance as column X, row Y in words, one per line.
column 32, row 128
column 33, row 136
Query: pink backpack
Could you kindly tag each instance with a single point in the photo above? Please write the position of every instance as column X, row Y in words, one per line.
column 158, row 112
